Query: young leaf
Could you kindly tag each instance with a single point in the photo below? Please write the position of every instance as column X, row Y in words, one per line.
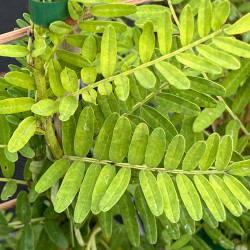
column 224, row 153
column 116, row 189
column 67, row 107
column 45, row 107
column 218, row 57
column 13, row 50
column 165, row 32
column 104, row 179
column 84, row 132
column 70, row 186
column 147, row 42
column 105, row 88
column 138, row 144
column 238, row 189
column 186, row 25
column 226, row 196
column 69, row 80
column 108, row 52
column 173, row 75
column 20, row 79
column 232, row 46
column 145, row 78
column 155, row 148
column 22, row 134
column 113, row 10
column 198, row 63
column 75, row 10
column 151, row 192
column 60, row 27
column 16, row 105
column 103, row 141
column 170, row 198
column 122, row 87
column 194, row 156
column 52, row 175
column 148, row 219
column 175, row 152
column 68, row 135
column 210, row 197
column 220, row 14
column 120, row 140
column 189, row 196
column 89, row 96
column 241, row 26
column 208, row 157
column 89, row 48
column 204, row 18
column 83, row 204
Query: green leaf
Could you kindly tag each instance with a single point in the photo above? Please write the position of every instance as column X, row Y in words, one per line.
column 189, row 196
column 97, row 26
column 70, row 186
column 172, row 229
column 208, row 157
column 156, row 148
column 147, row 42
column 23, row 207
column 54, row 71
column 238, row 189
column 198, row 243
column 68, row 134
column 198, row 63
column 218, row 57
column 151, row 192
column 207, row 117
column 89, row 48
column 148, row 219
column 181, row 242
column 67, row 107
column 27, row 152
column 155, row 119
column 106, row 222
column 186, row 25
column 232, row 129
column 210, row 197
column 45, row 107
column 116, row 189
column 128, row 213
column 12, row 157
column 224, row 153
column 60, row 28
column 13, row 50
column 187, row 223
column 206, row 86
column 170, row 198
column 233, row 224
column 84, row 132
column 240, row 168
column 69, row 80
column 150, row 11
column 9, row 190
column 16, row 105
column 75, row 10
column 122, row 87
column 226, row 195
column 5, row 130
column 20, row 79
column 83, row 204
column 120, row 140
column 173, row 75
column 104, row 179
column 113, row 10
column 101, row 149
column 145, row 78
column 232, row 46
column 209, row 218
column 105, row 88
column 193, row 156
column 108, row 52
column 26, row 240
column 177, row 104
column 52, row 175
column 204, row 18
column 175, row 152
column 3, row 219
column 241, row 26
column 138, row 145
column 73, row 59
column 56, row 234
column 89, row 96
column 220, row 14
column 165, row 32
column 22, row 134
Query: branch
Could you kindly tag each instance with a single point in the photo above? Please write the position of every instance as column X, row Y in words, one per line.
column 8, row 204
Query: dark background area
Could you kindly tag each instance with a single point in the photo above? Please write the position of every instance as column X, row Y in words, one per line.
column 10, row 11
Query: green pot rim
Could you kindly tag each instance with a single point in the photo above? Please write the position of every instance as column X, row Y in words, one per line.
column 45, row 13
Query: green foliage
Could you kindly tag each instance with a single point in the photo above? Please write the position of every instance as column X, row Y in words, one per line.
column 159, row 127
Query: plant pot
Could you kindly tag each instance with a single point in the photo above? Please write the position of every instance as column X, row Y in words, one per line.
column 45, row 13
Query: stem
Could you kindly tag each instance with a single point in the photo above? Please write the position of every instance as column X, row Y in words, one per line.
column 142, row 167
column 3, row 146
column 17, row 181
column 148, row 64
column 15, row 223
column 92, row 237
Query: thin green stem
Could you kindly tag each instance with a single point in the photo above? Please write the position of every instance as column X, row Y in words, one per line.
column 3, row 146
column 19, row 223
column 141, row 167
column 17, row 181
column 92, row 238
column 173, row 13
column 148, row 64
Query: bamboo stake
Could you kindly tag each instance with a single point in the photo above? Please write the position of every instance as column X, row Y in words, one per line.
column 8, row 204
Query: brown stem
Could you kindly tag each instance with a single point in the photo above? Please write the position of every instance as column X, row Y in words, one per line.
column 8, row 204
